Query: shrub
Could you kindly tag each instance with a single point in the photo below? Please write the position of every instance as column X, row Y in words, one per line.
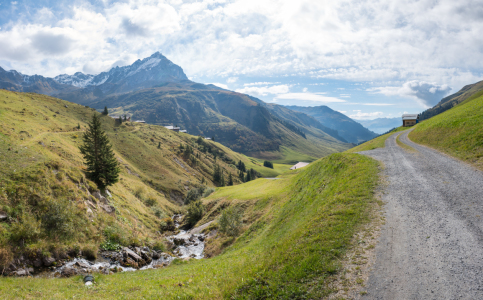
column 110, row 246
column 230, row 221
column 6, row 257
column 90, row 251
column 167, row 224
column 139, row 192
column 26, row 230
column 58, row 217
column 115, row 235
column 208, row 192
column 150, row 201
column 158, row 212
column 159, row 246
column 195, row 212
column 194, row 194
column 268, row 164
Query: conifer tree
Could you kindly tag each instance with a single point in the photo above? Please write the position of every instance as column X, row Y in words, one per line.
column 230, row 180
column 102, row 165
column 159, row 145
column 105, row 112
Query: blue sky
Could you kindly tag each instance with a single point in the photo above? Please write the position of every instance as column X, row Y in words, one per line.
column 365, row 58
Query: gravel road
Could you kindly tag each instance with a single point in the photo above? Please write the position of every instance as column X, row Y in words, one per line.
column 431, row 246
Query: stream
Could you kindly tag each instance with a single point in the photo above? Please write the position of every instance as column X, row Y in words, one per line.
column 187, row 245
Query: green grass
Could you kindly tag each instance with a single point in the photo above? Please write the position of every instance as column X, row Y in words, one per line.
column 378, row 142
column 40, row 160
column 457, row 132
column 298, row 229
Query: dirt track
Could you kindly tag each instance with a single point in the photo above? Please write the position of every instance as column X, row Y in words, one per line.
column 431, row 246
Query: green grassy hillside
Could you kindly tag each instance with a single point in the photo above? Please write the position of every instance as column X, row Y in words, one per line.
column 458, row 131
column 47, row 198
column 295, row 234
column 468, row 92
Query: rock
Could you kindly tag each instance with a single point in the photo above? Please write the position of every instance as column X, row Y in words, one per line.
column 37, row 263
column 108, row 194
column 89, row 211
column 201, row 238
column 108, row 208
column 31, row 270
column 3, row 216
column 129, row 262
column 41, row 143
column 156, row 255
column 48, row 261
column 65, row 106
column 88, row 278
column 88, row 283
column 179, row 241
column 68, row 272
column 21, row 272
column 82, row 265
column 98, row 196
column 131, row 254
column 92, row 205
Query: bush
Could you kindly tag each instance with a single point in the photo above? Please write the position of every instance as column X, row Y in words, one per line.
column 139, row 192
column 230, row 221
column 194, row 194
column 115, row 235
column 268, row 164
column 90, row 251
column 158, row 212
column 208, row 192
column 167, row 224
column 6, row 257
column 26, row 230
column 58, row 217
column 150, row 201
column 195, row 212
column 159, row 246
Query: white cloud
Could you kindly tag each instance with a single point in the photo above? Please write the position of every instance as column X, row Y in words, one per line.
column 305, row 90
column 345, row 95
column 359, row 115
column 426, row 93
column 232, row 80
column 378, row 104
column 260, row 83
column 308, row 97
column 264, row 90
column 223, row 86
column 427, row 41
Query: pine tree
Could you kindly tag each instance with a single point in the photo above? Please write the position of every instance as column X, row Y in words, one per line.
column 248, row 177
column 241, row 176
column 105, row 112
column 159, row 145
column 230, row 180
column 102, row 165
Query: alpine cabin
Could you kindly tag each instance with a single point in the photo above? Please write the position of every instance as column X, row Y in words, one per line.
column 410, row 119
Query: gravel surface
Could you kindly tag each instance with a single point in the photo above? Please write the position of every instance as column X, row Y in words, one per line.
column 431, row 246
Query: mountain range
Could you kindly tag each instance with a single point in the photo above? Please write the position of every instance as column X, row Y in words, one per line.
column 347, row 128
column 158, row 91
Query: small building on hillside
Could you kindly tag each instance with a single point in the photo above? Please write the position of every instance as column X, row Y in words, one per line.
column 173, row 128
column 140, row 121
column 184, row 131
column 410, row 119
column 299, row 165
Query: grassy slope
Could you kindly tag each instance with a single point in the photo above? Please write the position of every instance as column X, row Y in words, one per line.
column 457, row 132
column 378, row 142
column 40, row 160
column 299, row 228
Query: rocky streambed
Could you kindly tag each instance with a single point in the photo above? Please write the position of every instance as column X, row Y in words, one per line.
column 185, row 245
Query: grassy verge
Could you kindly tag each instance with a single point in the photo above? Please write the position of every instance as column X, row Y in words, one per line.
column 404, row 146
column 297, row 231
column 378, row 142
column 457, row 132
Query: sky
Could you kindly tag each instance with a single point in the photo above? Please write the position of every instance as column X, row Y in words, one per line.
column 365, row 58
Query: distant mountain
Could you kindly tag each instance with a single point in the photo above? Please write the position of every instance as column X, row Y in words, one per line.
column 158, row 91
column 243, row 123
column 470, row 91
column 18, row 82
column 381, row 125
column 347, row 128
